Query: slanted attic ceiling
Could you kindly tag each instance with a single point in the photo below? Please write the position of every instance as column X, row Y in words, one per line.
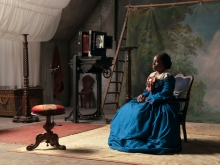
column 72, row 18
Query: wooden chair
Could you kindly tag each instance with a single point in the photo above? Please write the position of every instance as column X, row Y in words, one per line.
column 182, row 93
column 86, row 92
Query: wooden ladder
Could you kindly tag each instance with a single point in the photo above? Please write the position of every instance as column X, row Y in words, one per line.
column 116, row 71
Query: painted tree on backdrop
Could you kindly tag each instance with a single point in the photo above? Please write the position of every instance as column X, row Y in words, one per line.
column 156, row 30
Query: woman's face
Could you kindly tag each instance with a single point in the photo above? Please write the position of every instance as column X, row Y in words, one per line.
column 157, row 64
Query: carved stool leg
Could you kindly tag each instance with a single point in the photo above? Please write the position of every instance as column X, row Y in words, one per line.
column 49, row 136
column 54, row 141
column 39, row 139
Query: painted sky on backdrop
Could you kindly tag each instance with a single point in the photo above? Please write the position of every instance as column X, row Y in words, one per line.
column 205, row 23
column 205, row 20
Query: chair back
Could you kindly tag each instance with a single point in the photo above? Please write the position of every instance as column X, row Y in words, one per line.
column 88, row 83
column 183, row 84
column 182, row 91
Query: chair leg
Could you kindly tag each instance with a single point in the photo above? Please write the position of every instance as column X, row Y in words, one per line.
column 81, row 100
column 85, row 100
column 184, row 132
column 89, row 99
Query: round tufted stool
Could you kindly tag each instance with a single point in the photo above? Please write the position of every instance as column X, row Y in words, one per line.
column 47, row 110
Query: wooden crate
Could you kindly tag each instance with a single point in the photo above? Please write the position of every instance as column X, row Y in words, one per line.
column 11, row 100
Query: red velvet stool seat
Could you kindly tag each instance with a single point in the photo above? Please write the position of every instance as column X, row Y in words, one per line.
column 47, row 110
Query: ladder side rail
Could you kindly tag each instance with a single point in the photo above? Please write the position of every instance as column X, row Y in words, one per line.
column 120, row 86
column 120, row 40
column 115, row 59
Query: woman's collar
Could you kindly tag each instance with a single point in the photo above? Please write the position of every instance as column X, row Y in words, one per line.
column 161, row 76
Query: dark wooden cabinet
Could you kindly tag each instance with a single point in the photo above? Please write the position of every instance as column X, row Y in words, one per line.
column 11, row 100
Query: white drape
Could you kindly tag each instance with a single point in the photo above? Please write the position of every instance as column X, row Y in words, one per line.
column 39, row 19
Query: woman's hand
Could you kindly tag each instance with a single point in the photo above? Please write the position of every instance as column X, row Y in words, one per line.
column 140, row 98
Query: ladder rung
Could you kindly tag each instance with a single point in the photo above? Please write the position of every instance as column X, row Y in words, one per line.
column 113, row 93
column 111, row 103
column 117, row 71
column 121, row 60
column 115, row 82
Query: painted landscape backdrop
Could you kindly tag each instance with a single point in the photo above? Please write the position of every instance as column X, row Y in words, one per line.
column 191, row 36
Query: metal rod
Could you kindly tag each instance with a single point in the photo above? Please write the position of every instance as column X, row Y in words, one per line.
column 169, row 4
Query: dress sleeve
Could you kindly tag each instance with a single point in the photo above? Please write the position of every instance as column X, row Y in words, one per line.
column 145, row 93
column 166, row 93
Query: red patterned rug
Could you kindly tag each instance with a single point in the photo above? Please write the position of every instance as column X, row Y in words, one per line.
column 27, row 134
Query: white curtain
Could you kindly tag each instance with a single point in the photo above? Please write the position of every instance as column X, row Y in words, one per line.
column 37, row 18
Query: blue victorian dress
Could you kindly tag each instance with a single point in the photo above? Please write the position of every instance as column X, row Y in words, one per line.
column 151, row 126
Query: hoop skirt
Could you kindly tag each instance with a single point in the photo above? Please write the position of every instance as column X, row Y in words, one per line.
column 151, row 126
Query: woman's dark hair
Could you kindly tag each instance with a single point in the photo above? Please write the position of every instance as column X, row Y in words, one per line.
column 165, row 58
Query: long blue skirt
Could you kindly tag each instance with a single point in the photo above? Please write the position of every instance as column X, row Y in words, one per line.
column 142, row 127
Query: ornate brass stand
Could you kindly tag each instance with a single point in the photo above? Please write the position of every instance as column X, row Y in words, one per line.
column 25, row 116
column 49, row 136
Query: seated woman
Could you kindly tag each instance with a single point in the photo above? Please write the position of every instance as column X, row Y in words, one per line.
column 149, row 124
